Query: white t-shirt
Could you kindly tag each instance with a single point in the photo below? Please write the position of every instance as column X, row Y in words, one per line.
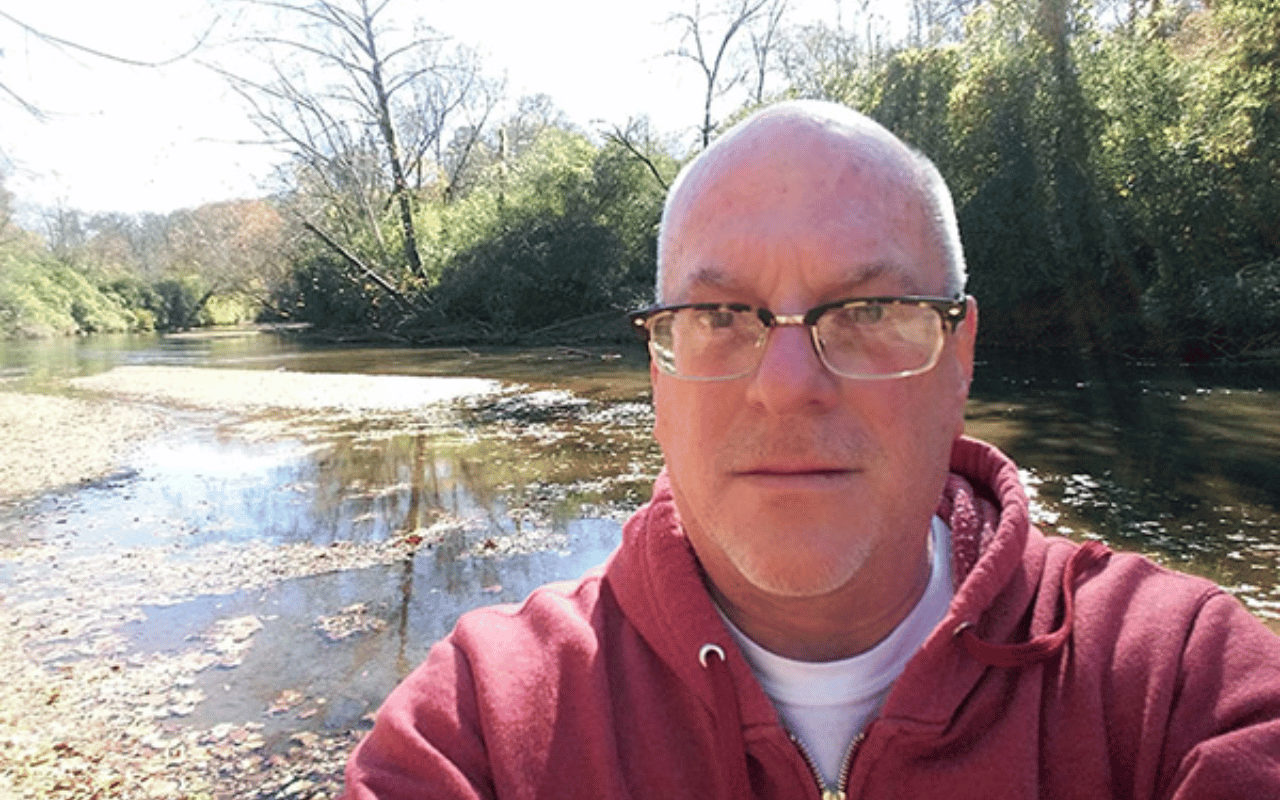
column 826, row 704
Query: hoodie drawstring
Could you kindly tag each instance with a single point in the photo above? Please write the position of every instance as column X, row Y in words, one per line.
column 733, row 755
column 1040, row 647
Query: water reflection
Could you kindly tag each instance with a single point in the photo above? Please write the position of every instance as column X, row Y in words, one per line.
column 1150, row 459
column 339, row 682
column 494, row 473
column 508, row 491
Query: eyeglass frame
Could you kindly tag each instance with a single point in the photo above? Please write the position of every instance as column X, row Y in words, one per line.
column 951, row 312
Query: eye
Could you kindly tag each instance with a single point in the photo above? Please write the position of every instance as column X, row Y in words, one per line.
column 718, row 318
column 858, row 315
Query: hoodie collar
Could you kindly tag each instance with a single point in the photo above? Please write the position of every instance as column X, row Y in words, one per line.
column 660, row 583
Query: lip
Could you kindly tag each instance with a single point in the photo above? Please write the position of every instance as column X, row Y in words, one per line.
column 796, row 477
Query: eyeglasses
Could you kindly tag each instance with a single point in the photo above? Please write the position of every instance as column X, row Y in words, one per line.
column 864, row 338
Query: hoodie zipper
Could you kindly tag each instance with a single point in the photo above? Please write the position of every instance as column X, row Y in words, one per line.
column 841, row 790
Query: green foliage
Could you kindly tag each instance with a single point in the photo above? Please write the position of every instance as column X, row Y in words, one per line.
column 566, row 230
column 1116, row 188
column 179, row 304
column 229, row 309
column 138, row 298
column 538, row 270
column 911, row 96
column 323, row 292
column 41, row 297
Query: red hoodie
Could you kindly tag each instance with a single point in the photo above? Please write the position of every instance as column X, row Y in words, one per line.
column 1060, row 671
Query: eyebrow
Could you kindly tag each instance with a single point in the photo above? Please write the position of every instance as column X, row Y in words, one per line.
column 713, row 277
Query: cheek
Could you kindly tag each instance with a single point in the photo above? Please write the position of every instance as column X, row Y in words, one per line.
column 921, row 422
column 688, row 425
column 663, row 416
column 672, row 420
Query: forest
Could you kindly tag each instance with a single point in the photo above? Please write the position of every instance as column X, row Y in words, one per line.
column 1115, row 166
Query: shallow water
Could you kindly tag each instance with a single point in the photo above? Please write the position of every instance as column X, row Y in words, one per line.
column 508, row 491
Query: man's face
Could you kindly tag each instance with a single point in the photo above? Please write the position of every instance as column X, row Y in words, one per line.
column 792, row 479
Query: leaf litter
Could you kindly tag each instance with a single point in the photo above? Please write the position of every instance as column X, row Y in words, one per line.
column 85, row 715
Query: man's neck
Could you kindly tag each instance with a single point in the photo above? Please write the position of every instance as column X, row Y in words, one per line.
column 840, row 624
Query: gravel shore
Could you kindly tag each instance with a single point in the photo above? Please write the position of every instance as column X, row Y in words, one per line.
column 83, row 714
column 49, row 442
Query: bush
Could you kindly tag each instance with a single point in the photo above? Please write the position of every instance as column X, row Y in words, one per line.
column 538, row 271
column 42, row 297
column 1222, row 316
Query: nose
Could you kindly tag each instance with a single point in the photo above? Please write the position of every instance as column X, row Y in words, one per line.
column 791, row 378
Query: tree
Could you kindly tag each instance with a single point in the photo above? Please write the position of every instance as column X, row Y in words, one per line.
column 231, row 248
column 1219, row 234
column 711, row 50
column 836, row 61
column 568, row 232
column 636, row 138
column 764, row 44
column 1041, row 228
column 360, row 101
column 7, row 228
column 936, row 21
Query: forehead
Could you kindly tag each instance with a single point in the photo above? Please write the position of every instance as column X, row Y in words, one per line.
column 834, row 205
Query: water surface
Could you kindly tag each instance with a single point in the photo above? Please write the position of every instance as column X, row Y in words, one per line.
column 531, row 484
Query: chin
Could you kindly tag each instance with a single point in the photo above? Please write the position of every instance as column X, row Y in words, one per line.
column 811, row 572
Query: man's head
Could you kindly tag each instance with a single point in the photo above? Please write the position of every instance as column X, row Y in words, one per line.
column 793, row 481
column 916, row 168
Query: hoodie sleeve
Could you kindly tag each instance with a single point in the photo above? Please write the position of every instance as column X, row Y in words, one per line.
column 426, row 743
column 1223, row 738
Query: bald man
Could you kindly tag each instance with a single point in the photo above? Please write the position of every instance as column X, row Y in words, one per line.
column 832, row 592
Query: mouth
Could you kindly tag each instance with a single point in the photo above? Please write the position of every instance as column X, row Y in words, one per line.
column 796, row 476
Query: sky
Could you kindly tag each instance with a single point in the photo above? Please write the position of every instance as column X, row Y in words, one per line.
column 113, row 137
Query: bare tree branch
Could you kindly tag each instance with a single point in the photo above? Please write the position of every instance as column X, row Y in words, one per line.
column 67, row 44
column 763, row 43
column 626, row 137
column 354, row 261
column 360, row 104
column 119, row 59
column 696, row 42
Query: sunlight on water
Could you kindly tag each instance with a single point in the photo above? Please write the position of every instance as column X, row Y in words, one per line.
column 313, row 527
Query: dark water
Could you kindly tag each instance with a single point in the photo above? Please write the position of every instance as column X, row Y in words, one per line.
column 536, row 481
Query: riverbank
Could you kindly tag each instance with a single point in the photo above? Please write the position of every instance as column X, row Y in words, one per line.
column 85, row 713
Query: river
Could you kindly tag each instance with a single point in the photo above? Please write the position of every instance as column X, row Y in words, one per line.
column 526, row 481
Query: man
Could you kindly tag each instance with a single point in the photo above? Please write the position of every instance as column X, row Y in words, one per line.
column 832, row 593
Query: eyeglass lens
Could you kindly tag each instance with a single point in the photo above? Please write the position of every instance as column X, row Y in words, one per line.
column 871, row 340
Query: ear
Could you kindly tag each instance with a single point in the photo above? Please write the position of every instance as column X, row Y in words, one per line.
column 962, row 349
column 966, row 335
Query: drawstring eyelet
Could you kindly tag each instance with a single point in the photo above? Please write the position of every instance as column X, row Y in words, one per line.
column 708, row 649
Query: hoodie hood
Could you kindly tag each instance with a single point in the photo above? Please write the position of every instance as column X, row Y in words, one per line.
column 997, row 558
